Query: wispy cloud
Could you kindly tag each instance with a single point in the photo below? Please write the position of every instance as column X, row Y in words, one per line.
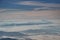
column 17, row 29
column 21, row 27
column 43, row 6
column 25, row 24
column 33, row 3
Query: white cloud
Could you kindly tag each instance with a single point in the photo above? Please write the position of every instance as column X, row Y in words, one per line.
column 19, row 28
column 7, row 10
column 56, row 23
column 43, row 8
column 34, row 3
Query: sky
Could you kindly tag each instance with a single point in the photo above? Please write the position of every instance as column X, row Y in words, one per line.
column 13, row 12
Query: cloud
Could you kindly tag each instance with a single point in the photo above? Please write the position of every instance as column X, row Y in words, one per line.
column 5, row 10
column 26, row 24
column 34, row 3
column 28, row 15
column 16, row 26
column 28, row 27
column 40, row 5
column 17, row 29
column 43, row 8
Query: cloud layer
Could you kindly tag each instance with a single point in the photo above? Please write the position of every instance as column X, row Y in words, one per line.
column 27, row 11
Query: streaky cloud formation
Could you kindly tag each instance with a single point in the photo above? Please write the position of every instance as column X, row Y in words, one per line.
column 25, row 24
column 38, row 19
column 33, row 3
